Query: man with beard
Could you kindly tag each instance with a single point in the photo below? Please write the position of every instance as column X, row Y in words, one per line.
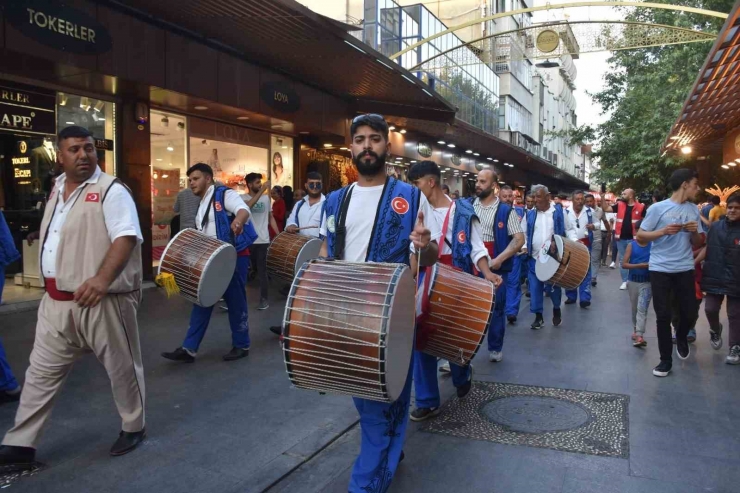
column 513, row 279
column 628, row 213
column 261, row 209
column 397, row 234
column 503, row 237
column 462, row 248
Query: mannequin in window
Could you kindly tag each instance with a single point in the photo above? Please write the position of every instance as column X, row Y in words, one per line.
column 44, row 164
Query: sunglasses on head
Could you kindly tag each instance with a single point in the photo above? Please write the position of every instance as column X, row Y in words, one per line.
column 314, row 185
column 368, row 116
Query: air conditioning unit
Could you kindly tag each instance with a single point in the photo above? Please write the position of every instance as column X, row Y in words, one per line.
column 549, row 156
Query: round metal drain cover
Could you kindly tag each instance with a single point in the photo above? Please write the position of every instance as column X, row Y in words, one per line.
column 532, row 414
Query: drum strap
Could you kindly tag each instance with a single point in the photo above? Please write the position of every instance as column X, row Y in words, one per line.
column 444, row 230
column 341, row 229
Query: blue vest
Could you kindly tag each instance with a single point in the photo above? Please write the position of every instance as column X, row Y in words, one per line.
column 558, row 219
column 223, row 223
column 297, row 211
column 389, row 241
column 464, row 214
column 590, row 219
column 501, row 236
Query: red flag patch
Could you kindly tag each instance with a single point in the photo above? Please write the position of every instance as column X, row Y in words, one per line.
column 461, row 237
column 500, row 224
column 217, row 205
column 400, row 205
column 92, row 197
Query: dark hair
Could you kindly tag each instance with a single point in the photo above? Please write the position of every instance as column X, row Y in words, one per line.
column 681, row 176
column 733, row 199
column 313, row 175
column 278, row 190
column 589, row 196
column 577, row 192
column 73, row 131
column 446, row 187
column 202, row 167
column 658, row 196
column 273, row 161
column 376, row 122
column 506, row 187
column 715, row 200
column 252, row 177
column 288, row 197
column 425, row 168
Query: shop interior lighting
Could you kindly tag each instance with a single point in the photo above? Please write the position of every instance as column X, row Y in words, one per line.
column 476, row 154
column 242, row 118
column 451, row 145
column 200, row 108
column 62, row 99
column 70, row 123
column 469, row 151
column 100, row 105
column 159, row 159
column 442, row 142
column 391, row 128
column 165, row 175
column 343, row 149
column 85, row 103
column 169, row 147
column 495, row 160
column 725, row 166
column 490, row 158
column 413, row 161
column 502, row 182
column 403, row 130
column 686, row 149
column 732, row 163
column 355, row 47
column 327, row 145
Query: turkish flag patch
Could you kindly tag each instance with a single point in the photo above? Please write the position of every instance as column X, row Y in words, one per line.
column 500, row 225
column 461, row 237
column 218, row 207
column 92, row 197
column 400, row 205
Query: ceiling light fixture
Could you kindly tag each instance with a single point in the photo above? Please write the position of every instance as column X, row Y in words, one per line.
column 469, row 151
column 200, row 108
column 686, row 149
column 391, row 128
column 732, row 163
column 490, row 158
column 70, row 123
column 159, row 159
column 327, row 145
column 495, row 160
column 403, row 130
column 355, row 47
column 242, row 118
column 343, row 149
column 725, row 166
column 169, row 147
column 441, row 142
column 451, row 145
column 412, row 161
column 383, row 64
column 99, row 106
column 476, row 154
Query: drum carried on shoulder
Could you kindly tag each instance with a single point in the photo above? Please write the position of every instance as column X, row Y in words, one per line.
column 288, row 252
column 570, row 267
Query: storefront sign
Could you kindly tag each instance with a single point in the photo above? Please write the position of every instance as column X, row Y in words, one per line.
column 424, row 150
column 280, row 96
column 59, row 26
column 26, row 110
column 104, row 144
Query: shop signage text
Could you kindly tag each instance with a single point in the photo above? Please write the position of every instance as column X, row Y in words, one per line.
column 23, row 110
column 280, row 96
column 59, row 26
column 104, row 144
column 22, row 173
column 424, row 150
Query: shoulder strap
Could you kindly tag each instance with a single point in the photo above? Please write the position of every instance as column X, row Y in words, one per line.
column 340, row 234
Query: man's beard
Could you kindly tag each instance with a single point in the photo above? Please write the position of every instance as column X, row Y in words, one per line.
column 484, row 194
column 369, row 168
column 314, row 195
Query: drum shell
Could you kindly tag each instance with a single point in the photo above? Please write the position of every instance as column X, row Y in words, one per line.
column 348, row 328
column 459, row 312
column 288, row 252
column 574, row 264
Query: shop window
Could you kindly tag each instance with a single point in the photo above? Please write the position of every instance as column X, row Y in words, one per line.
column 230, row 162
column 96, row 115
column 281, row 161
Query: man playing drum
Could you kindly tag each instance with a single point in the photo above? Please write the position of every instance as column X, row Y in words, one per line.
column 541, row 223
column 217, row 205
column 463, row 248
column 513, row 278
column 403, row 229
column 503, row 236
column 585, row 224
column 306, row 214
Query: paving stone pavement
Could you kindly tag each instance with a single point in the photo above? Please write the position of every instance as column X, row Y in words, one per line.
column 239, row 427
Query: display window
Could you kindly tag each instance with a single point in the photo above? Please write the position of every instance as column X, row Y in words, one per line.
column 230, row 161
column 281, row 163
column 96, row 115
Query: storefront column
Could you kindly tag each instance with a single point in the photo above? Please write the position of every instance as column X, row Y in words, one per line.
column 135, row 171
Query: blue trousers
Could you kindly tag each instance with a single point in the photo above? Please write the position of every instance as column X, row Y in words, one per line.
column 7, row 380
column 537, row 288
column 383, row 427
column 236, row 300
column 497, row 330
column 514, row 288
column 583, row 291
column 425, row 379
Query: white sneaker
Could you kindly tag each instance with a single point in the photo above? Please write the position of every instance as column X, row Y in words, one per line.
column 623, row 286
column 495, row 356
column 444, row 367
column 612, row 265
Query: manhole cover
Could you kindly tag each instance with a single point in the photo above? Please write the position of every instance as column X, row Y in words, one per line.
column 532, row 414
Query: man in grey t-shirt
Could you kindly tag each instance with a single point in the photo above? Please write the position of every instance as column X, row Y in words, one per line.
column 186, row 205
column 261, row 209
column 673, row 226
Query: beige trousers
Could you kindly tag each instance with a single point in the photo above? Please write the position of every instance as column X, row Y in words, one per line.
column 64, row 333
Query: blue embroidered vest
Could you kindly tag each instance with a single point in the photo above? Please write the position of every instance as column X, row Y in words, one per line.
column 389, row 241
column 558, row 221
column 223, row 223
column 464, row 214
column 501, row 236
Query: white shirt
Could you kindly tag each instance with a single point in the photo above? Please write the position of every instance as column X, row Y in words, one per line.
column 309, row 215
column 261, row 211
column 360, row 220
column 232, row 201
column 608, row 216
column 579, row 221
column 544, row 229
column 478, row 248
column 119, row 214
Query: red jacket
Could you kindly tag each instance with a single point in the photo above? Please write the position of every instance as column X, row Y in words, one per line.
column 636, row 216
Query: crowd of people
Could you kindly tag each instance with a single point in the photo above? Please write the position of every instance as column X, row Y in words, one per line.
column 91, row 265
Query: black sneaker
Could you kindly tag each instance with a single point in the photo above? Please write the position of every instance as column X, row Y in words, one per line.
column 511, row 319
column 557, row 317
column 683, row 349
column 570, row 302
column 662, row 370
column 585, row 304
column 7, row 396
column 593, row 284
column 528, row 294
column 715, row 338
column 538, row 323
column 179, row 354
column 236, row 353
column 277, row 330
column 464, row 389
column 422, row 413
column 14, row 459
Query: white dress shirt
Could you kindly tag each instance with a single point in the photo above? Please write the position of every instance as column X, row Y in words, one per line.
column 119, row 213
column 233, row 203
column 309, row 215
column 476, row 240
column 544, row 229
column 579, row 221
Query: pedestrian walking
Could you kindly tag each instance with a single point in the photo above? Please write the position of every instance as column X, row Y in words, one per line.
column 278, row 211
column 91, row 267
column 629, row 211
column 598, row 237
column 673, row 226
column 720, row 280
column 10, row 391
column 186, row 206
column 584, row 223
column 637, row 262
column 262, row 218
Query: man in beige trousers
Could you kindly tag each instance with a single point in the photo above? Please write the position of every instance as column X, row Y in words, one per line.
column 91, row 265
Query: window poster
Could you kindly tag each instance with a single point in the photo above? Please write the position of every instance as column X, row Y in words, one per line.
column 230, row 162
column 281, row 161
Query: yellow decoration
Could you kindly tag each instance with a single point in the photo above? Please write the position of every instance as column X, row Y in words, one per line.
column 723, row 194
column 167, row 281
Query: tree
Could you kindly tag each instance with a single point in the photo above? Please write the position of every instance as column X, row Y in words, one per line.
column 645, row 92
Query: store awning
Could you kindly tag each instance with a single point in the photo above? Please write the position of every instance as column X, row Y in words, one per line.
column 290, row 38
column 713, row 105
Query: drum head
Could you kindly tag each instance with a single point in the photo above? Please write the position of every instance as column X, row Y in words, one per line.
column 308, row 252
column 399, row 340
column 545, row 270
column 560, row 246
column 217, row 275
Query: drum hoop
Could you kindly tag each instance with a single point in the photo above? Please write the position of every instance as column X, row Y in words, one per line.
column 167, row 247
column 286, row 326
column 387, row 313
column 208, row 262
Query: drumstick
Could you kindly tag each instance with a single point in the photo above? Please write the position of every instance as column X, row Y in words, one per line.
column 306, row 227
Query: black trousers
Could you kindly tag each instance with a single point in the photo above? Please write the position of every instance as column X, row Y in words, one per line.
column 664, row 287
column 258, row 252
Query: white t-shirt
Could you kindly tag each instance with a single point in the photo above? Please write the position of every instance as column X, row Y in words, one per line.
column 544, row 229
column 261, row 217
column 309, row 215
column 232, row 201
column 360, row 220
column 608, row 216
column 478, row 248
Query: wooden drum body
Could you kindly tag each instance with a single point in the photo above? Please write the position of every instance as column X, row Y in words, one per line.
column 569, row 269
column 202, row 266
column 457, row 310
column 349, row 328
column 288, row 252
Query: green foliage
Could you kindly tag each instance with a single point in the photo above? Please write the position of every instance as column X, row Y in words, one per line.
column 645, row 92
column 585, row 134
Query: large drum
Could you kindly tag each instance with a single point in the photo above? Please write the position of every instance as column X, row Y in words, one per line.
column 349, row 328
column 456, row 312
column 570, row 267
column 288, row 252
column 202, row 266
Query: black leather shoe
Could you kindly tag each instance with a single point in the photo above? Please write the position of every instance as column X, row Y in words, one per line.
column 512, row 319
column 7, row 396
column 403, row 456
column 570, row 302
column 127, row 441
column 179, row 354
column 585, row 304
column 14, row 458
column 557, row 317
column 236, row 353
column 277, row 330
